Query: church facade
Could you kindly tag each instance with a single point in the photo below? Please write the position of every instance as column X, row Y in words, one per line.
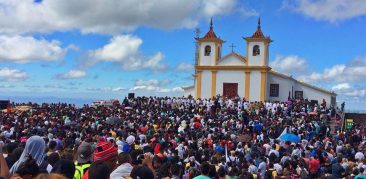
column 247, row 76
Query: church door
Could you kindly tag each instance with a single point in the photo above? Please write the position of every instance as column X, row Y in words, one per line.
column 230, row 89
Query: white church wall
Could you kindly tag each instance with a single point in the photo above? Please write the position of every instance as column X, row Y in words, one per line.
column 206, row 84
column 313, row 94
column 207, row 60
column 189, row 91
column 255, row 86
column 223, row 76
column 258, row 59
column 230, row 61
column 285, row 85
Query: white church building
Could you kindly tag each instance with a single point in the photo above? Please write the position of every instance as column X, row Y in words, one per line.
column 247, row 76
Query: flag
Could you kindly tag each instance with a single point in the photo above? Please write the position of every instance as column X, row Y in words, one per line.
column 226, row 156
column 8, row 107
column 283, row 133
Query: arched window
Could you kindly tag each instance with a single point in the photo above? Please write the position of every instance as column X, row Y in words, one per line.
column 207, row 50
column 256, row 50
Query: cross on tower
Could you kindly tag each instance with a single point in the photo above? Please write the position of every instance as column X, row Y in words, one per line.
column 232, row 47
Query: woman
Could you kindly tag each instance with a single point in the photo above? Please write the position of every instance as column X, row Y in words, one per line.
column 34, row 147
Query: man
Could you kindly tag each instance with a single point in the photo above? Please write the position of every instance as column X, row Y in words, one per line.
column 106, row 153
column 84, row 159
column 337, row 169
column 314, row 166
column 205, row 170
column 124, row 170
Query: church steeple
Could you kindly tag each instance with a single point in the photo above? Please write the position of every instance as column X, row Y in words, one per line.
column 258, row 33
column 210, row 35
column 211, row 24
column 257, row 47
column 210, row 46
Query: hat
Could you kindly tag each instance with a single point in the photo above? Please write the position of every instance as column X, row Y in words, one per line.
column 84, row 152
column 105, row 151
column 130, row 139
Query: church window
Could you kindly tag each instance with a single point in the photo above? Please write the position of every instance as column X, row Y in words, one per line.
column 333, row 101
column 256, row 50
column 274, row 90
column 218, row 53
column 299, row 95
column 207, row 50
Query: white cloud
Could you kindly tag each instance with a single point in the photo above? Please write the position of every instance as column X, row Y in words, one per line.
column 328, row 10
column 72, row 74
column 125, row 51
column 216, row 7
column 24, row 49
column 355, row 71
column 185, row 67
column 356, row 93
column 54, row 86
column 154, row 86
column 289, row 64
column 112, row 16
column 147, row 83
column 107, row 89
column 341, row 86
column 7, row 74
column 6, row 86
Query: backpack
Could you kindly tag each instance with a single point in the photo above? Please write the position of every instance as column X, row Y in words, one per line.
column 80, row 170
column 304, row 174
column 270, row 173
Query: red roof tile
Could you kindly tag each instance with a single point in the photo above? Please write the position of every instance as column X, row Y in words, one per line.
column 258, row 33
column 210, row 35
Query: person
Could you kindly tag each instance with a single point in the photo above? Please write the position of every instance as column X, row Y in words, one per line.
column 314, row 166
column 125, row 167
column 14, row 156
column 106, row 153
column 142, row 171
column 51, row 147
column 205, row 170
column 360, row 174
column 337, row 169
column 176, row 171
column 34, row 149
column 99, row 170
column 84, row 159
column 28, row 169
column 65, row 168
column 4, row 169
column 50, row 176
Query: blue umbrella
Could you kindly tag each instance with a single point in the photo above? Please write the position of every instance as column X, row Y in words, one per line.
column 290, row 137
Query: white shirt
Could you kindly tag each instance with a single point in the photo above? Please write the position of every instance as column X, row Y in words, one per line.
column 359, row 155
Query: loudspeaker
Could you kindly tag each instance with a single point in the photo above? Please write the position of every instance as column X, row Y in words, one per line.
column 4, row 104
column 131, row 95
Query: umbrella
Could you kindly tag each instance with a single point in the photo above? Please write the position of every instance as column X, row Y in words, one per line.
column 113, row 120
column 290, row 137
column 244, row 138
column 313, row 113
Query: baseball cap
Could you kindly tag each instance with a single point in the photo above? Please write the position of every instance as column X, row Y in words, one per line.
column 84, row 152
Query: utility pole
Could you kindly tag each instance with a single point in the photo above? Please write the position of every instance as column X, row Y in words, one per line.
column 196, row 55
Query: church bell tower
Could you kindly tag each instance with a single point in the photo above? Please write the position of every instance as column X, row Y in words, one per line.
column 257, row 47
column 209, row 48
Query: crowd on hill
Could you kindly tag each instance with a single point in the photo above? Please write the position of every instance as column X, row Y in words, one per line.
column 180, row 138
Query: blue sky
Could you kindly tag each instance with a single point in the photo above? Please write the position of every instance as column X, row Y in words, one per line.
column 94, row 49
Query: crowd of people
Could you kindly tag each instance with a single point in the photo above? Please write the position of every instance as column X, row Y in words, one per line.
column 180, row 138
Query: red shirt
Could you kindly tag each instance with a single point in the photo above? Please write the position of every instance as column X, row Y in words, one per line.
column 314, row 166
